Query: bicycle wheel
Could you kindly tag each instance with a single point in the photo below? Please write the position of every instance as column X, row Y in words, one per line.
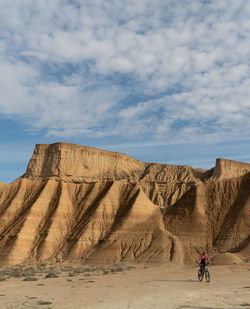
column 200, row 275
column 207, row 275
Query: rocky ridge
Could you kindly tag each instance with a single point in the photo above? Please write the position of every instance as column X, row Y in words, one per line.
column 82, row 204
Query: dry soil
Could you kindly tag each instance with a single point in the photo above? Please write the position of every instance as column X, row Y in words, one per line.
column 159, row 286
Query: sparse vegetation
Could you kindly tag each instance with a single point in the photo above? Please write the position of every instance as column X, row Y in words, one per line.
column 34, row 273
column 18, row 271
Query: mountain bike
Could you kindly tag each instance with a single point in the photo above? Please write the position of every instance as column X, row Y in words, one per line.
column 204, row 274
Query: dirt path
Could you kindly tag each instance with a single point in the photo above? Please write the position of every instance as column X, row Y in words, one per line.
column 159, row 287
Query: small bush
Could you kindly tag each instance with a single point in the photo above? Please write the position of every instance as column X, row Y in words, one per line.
column 105, row 272
column 30, row 279
column 41, row 302
column 51, row 275
column 16, row 272
column 41, row 265
column 131, row 267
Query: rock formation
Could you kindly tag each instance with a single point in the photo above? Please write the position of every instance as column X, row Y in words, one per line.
column 81, row 204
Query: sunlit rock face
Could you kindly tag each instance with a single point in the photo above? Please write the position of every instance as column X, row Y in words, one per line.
column 80, row 163
column 80, row 204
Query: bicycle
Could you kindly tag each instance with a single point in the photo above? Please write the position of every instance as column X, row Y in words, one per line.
column 204, row 274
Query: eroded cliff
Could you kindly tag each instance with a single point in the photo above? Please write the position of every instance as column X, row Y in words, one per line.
column 81, row 204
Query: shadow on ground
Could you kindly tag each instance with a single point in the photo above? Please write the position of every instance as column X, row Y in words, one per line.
column 172, row 280
column 199, row 307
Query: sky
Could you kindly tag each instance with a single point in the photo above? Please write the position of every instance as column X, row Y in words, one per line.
column 162, row 81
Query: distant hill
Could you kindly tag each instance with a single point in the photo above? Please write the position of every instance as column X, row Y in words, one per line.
column 82, row 204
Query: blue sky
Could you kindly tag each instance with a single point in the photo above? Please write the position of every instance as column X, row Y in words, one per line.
column 162, row 81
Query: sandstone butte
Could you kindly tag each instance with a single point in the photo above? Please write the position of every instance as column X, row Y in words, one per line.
column 78, row 204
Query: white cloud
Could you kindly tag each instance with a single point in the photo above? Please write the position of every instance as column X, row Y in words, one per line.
column 176, row 70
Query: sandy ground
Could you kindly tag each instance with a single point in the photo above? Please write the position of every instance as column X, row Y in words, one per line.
column 159, row 286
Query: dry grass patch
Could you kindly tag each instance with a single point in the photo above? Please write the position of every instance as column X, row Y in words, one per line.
column 30, row 279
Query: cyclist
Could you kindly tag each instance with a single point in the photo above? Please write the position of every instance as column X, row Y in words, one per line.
column 203, row 259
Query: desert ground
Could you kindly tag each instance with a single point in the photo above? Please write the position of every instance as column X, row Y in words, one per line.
column 162, row 286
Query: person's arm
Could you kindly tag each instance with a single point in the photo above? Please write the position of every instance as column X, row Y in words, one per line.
column 200, row 260
column 208, row 259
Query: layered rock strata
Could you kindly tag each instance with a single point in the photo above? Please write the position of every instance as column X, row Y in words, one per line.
column 81, row 204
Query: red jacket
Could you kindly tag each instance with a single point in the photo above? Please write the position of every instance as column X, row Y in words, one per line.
column 205, row 256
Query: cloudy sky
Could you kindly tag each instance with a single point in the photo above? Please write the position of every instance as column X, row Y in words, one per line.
column 162, row 81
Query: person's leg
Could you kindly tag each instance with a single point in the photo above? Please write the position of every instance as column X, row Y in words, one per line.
column 203, row 268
